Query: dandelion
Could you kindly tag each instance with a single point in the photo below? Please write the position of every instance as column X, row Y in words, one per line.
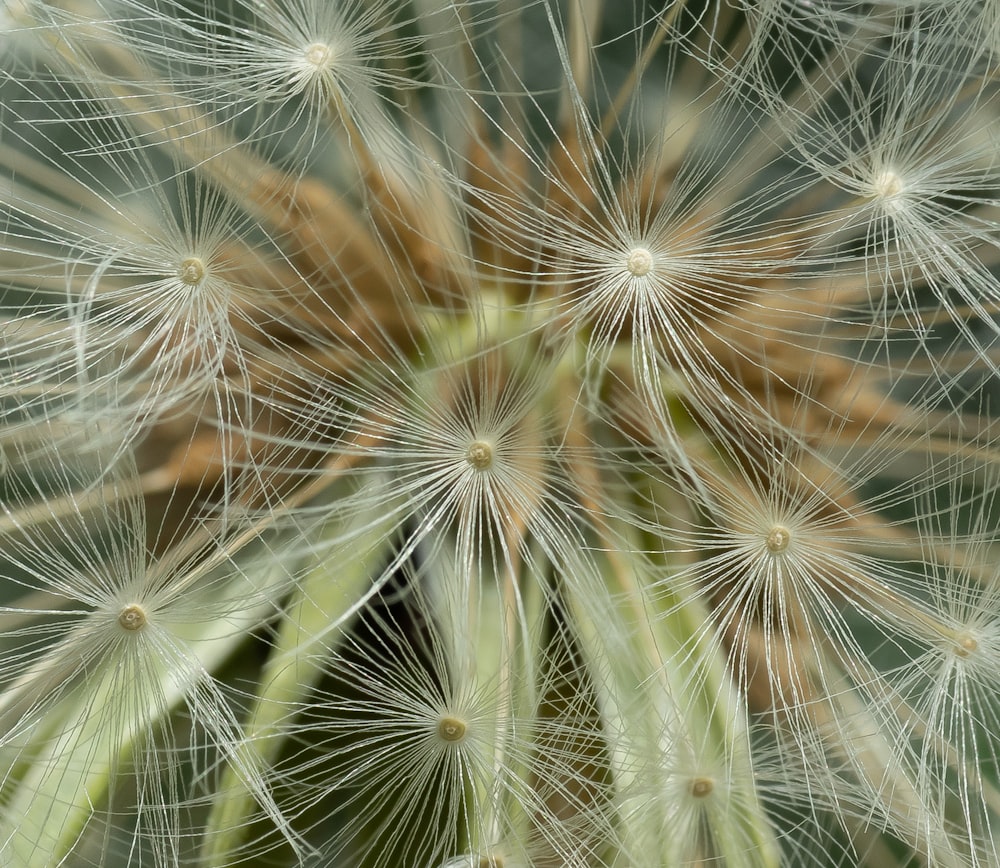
column 101, row 647
column 280, row 70
column 463, row 451
column 469, row 434
column 432, row 727
column 914, row 162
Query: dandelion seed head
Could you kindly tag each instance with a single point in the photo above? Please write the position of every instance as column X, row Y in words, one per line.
column 132, row 618
column 565, row 382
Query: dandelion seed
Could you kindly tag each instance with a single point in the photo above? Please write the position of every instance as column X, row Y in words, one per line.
column 887, row 186
column 319, row 56
column 439, row 740
column 910, row 158
column 966, row 645
column 283, row 71
column 462, row 449
column 91, row 704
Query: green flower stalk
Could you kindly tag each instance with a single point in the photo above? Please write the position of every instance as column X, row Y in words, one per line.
column 499, row 435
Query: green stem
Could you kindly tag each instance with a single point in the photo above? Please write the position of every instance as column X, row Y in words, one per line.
column 328, row 595
column 662, row 684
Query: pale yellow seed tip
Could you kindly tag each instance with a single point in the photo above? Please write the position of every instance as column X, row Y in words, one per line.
column 191, row 271
column 132, row 617
column 319, row 55
column 777, row 539
column 639, row 262
column 490, row 862
column 702, row 787
column 451, row 728
column 888, row 186
column 480, row 455
column 966, row 645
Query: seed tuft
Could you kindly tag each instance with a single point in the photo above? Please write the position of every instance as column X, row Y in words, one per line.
column 889, row 187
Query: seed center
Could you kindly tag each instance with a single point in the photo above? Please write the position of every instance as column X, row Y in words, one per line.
column 966, row 645
column 888, row 187
column 480, row 454
column 702, row 787
column 777, row 539
column 191, row 271
column 639, row 262
column 451, row 729
column 318, row 55
column 132, row 617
